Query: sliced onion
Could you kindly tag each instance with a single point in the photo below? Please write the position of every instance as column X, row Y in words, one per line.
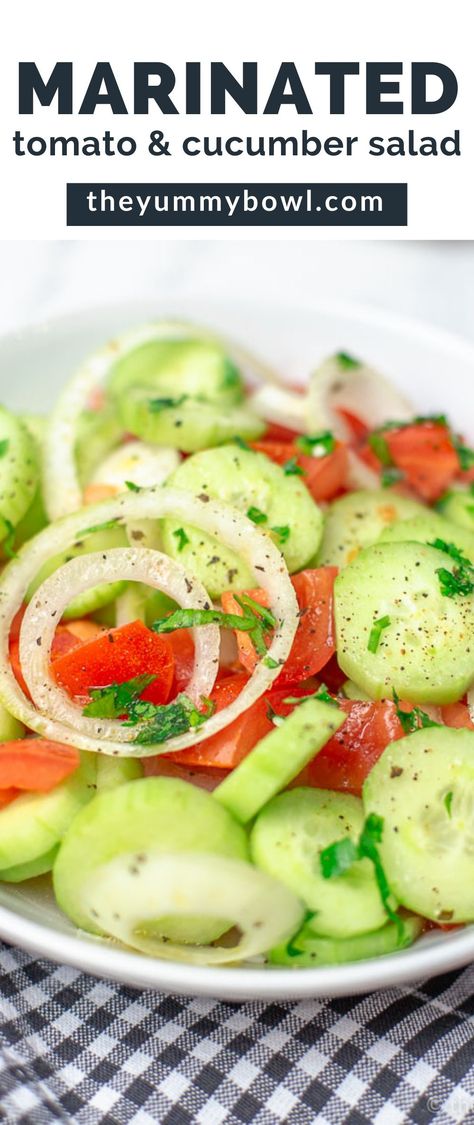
column 225, row 523
column 360, row 390
column 123, row 895
column 360, row 475
column 61, row 486
column 281, row 405
column 76, row 576
column 136, row 461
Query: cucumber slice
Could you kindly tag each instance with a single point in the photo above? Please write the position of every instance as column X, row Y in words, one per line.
column 352, row 691
column 31, row 870
column 287, row 840
column 423, row 788
column 177, row 367
column 358, row 520
column 305, row 951
column 426, row 528
column 128, row 893
column 33, row 824
column 458, row 507
column 158, row 815
column 98, row 596
column 116, row 771
column 243, row 479
column 35, row 517
column 10, row 728
column 185, row 423
column 19, row 471
column 278, row 758
column 98, row 432
column 424, row 652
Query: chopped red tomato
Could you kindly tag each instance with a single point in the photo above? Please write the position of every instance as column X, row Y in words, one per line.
column 348, row 757
column 118, row 655
column 182, row 647
column 324, row 477
column 64, row 641
column 275, row 432
column 35, row 764
column 7, row 796
column 314, row 643
column 424, row 453
column 358, row 428
column 457, row 715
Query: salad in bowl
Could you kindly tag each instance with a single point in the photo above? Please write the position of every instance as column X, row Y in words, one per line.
column 237, row 656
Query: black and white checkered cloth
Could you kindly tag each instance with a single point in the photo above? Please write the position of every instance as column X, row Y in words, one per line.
column 77, row 1049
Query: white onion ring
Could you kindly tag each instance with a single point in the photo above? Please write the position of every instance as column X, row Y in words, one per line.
column 359, row 475
column 361, row 390
column 54, row 595
column 281, row 405
column 61, row 488
column 225, row 523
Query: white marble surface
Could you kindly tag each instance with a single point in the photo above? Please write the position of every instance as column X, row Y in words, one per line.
column 426, row 280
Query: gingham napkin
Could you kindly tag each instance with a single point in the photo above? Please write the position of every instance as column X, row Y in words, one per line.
column 77, row 1049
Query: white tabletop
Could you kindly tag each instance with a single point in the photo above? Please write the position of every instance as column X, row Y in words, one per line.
column 431, row 281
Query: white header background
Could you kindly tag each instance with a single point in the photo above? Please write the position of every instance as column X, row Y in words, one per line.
column 33, row 189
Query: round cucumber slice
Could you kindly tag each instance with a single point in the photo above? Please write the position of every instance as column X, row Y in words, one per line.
column 423, row 789
column 33, row 824
column 245, row 480
column 185, row 423
column 286, row 842
column 458, row 508
column 116, row 771
column 423, row 649
column 177, row 367
column 30, row 870
column 305, row 951
column 428, row 527
column 98, row 596
column 19, row 471
column 98, row 432
column 158, row 815
column 131, row 891
column 10, row 728
column 358, row 520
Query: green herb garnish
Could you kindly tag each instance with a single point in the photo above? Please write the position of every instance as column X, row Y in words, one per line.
column 379, row 446
column 256, row 515
column 465, row 455
column 347, row 361
column 181, row 537
column 458, row 581
column 452, row 550
column 414, row 719
column 157, row 404
column 9, row 540
column 447, row 802
column 317, row 445
column 270, row 662
column 106, row 526
column 391, row 475
column 4, row 445
column 292, row 469
column 114, row 700
column 322, row 695
column 283, row 533
column 340, row 856
column 171, row 719
column 193, row 618
column 132, row 487
column 240, row 441
column 376, row 633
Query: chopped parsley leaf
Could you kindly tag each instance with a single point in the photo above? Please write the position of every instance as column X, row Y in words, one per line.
column 376, row 633
column 378, row 445
column 132, row 487
column 270, row 662
column 4, row 445
column 347, row 361
column 192, row 618
column 171, row 719
column 465, row 455
column 292, row 469
column 114, row 700
column 452, row 550
column 390, row 475
column 106, row 526
column 256, row 515
column 240, row 441
column 181, row 537
column 157, row 404
column 317, row 445
column 414, row 719
column 340, row 856
column 458, row 581
column 283, row 533
column 447, row 802
column 322, row 695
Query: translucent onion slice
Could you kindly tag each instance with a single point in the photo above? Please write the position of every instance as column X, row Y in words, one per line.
column 281, row 405
column 61, row 487
column 77, row 575
column 144, row 465
column 360, row 475
column 355, row 387
column 126, row 897
column 225, row 523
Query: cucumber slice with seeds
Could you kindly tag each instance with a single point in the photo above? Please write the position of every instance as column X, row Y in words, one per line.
column 245, row 480
column 424, row 529
column 287, row 840
column 423, row 788
column 358, row 520
column 159, row 815
column 306, row 950
column 190, row 424
column 425, row 650
column 458, row 507
column 19, row 471
column 278, row 758
column 177, row 367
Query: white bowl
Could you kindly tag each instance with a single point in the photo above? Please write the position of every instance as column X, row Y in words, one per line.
column 437, row 370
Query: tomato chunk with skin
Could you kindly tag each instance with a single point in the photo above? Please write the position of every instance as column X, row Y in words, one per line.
column 324, row 477
column 425, row 455
column 35, row 764
column 314, row 643
column 64, row 641
column 457, row 715
column 348, row 757
column 118, row 655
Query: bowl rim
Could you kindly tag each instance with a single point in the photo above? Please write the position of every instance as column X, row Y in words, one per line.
column 101, row 957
